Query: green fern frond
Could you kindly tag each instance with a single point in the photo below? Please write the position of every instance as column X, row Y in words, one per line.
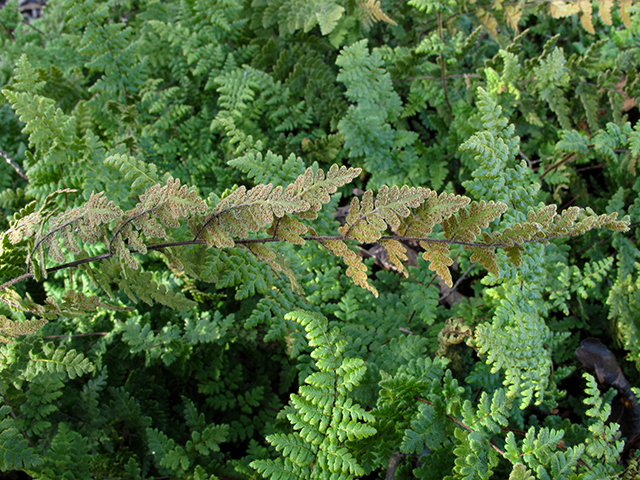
column 15, row 452
column 58, row 361
column 324, row 418
column 262, row 170
column 143, row 174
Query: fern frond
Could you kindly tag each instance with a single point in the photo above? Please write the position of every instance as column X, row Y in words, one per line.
column 371, row 13
column 324, row 418
column 244, row 212
column 87, row 222
column 396, row 254
column 367, row 219
column 15, row 452
column 159, row 207
column 439, row 256
column 468, row 223
column 356, row 267
column 143, row 174
column 269, row 168
column 58, row 361
column 432, row 212
column 9, row 329
column 140, row 285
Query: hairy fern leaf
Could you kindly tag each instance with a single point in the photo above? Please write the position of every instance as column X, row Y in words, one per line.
column 244, row 212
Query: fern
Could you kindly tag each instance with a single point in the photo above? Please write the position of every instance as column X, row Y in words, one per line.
column 60, row 361
column 179, row 154
column 323, row 416
column 15, row 451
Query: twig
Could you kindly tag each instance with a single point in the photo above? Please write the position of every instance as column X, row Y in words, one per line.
column 9, row 32
column 600, row 165
column 394, row 461
column 566, row 158
column 527, row 159
column 28, row 24
column 431, row 77
column 15, row 166
column 19, row 278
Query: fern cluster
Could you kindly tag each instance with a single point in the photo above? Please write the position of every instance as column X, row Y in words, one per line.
column 318, row 239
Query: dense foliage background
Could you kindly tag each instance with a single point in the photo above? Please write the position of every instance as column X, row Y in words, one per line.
column 236, row 362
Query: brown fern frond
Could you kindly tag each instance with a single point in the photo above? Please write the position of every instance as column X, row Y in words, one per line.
column 439, row 256
column 370, row 13
column 486, row 257
column 244, row 212
column 605, row 11
column 396, row 254
column 369, row 218
column 276, row 262
column 584, row 9
column 357, row 270
column 9, row 329
column 288, row 229
column 433, row 211
column 467, row 224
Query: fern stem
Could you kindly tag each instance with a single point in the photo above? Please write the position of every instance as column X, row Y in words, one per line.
column 77, row 262
column 316, row 238
column 18, row 279
column 127, row 222
column 52, row 232
column 566, row 158
column 431, row 77
column 76, row 335
column 457, row 284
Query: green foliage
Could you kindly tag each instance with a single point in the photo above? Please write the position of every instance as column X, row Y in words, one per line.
column 325, row 420
column 178, row 178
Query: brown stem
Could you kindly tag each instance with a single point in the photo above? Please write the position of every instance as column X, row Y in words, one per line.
column 19, row 278
column 76, row 335
column 319, row 238
column 431, row 77
column 565, row 159
column 52, row 232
